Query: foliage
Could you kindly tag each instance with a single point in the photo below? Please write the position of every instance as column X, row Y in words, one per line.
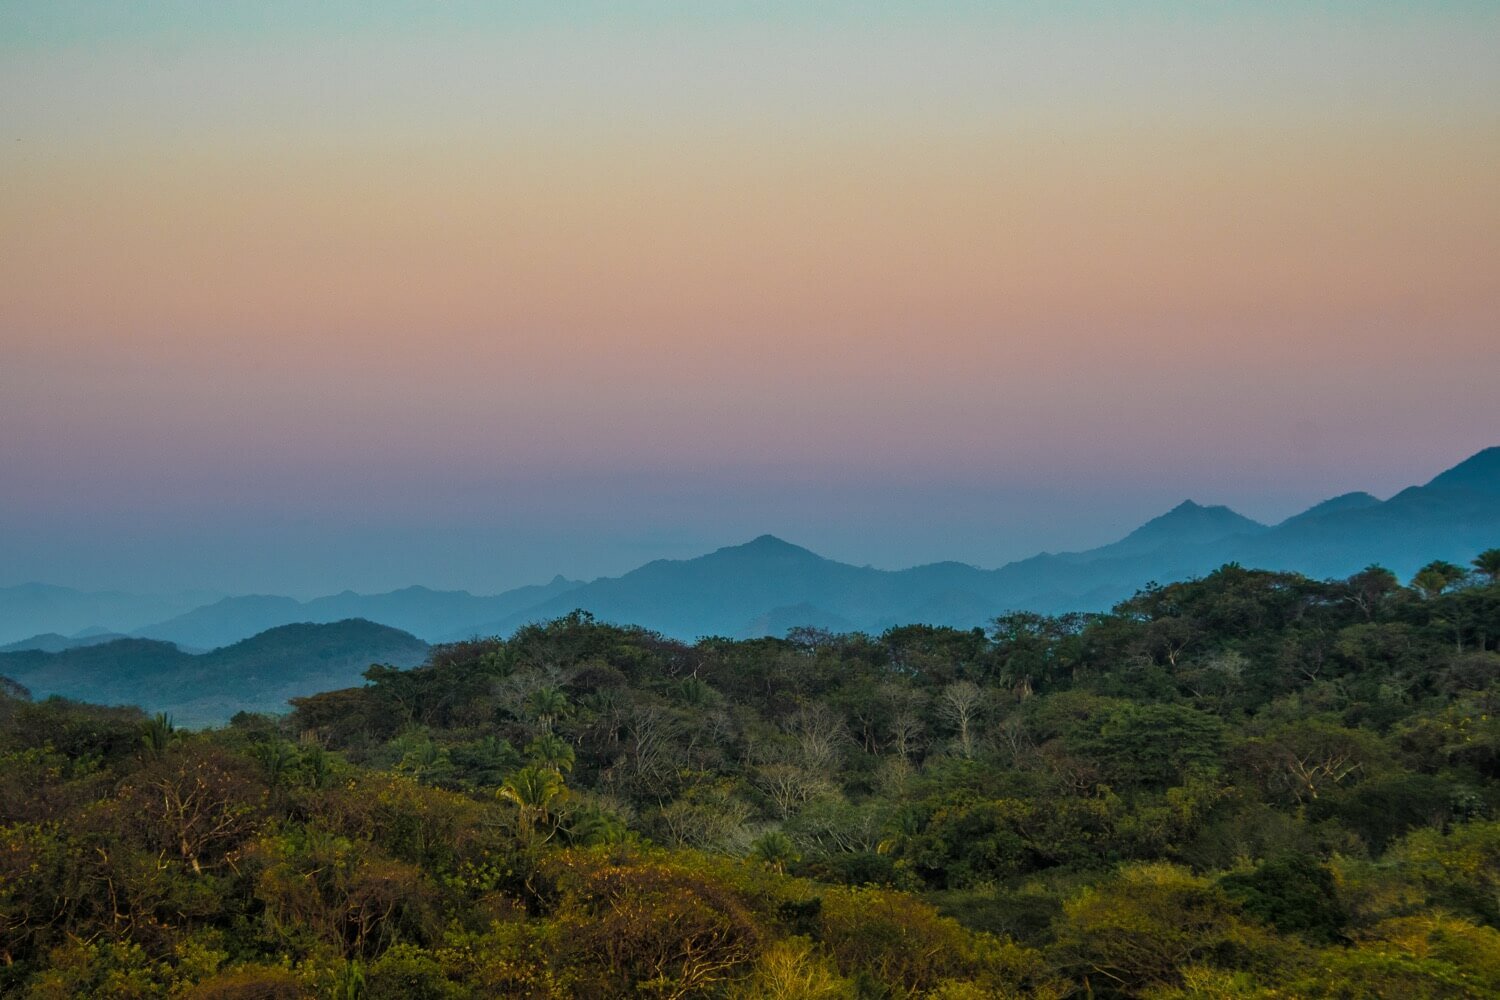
column 1249, row 785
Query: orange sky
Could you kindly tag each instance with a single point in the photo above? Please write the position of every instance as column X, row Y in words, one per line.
column 1028, row 250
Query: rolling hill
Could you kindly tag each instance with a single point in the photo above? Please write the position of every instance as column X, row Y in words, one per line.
column 430, row 614
column 257, row 674
column 52, row 642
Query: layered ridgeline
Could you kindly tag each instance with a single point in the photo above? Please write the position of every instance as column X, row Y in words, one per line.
column 1251, row 785
column 768, row 585
column 49, row 617
column 257, row 674
column 42, row 616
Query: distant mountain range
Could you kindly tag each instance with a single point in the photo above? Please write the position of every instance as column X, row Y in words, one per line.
column 32, row 608
column 433, row 614
column 256, row 674
column 52, row 642
column 768, row 585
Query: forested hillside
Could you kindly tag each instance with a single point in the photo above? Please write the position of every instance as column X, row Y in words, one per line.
column 1252, row 784
column 255, row 674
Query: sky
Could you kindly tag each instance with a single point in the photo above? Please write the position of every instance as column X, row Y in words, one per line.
column 299, row 297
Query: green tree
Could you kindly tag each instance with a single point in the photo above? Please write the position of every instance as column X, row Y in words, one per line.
column 277, row 757
column 1370, row 589
column 652, row 927
column 1142, row 927
column 1436, row 577
column 775, row 850
column 1460, row 868
column 1488, row 563
column 1293, row 893
column 1152, row 745
column 547, row 705
column 793, row 970
column 534, row 790
column 158, row 733
column 551, row 751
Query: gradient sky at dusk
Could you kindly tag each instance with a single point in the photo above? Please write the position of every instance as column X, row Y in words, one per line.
column 295, row 297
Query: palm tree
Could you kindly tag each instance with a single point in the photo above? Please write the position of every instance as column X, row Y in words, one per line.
column 551, row 750
column 1436, row 577
column 547, row 705
column 775, row 850
column 592, row 827
column 158, row 732
column 533, row 789
column 1488, row 563
column 317, row 767
column 278, row 757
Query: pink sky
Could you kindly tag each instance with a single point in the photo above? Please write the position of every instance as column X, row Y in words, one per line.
column 557, row 293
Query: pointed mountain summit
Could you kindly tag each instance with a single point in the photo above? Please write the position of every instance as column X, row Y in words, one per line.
column 1188, row 523
column 1453, row 517
column 764, row 547
column 768, row 542
column 768, row 583
column 1479, row 472
column 717, row 593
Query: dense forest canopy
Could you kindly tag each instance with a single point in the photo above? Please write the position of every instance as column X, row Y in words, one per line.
column 1252, row 784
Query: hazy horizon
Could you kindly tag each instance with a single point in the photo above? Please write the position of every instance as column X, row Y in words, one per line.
column 450, row 558
column 366, row 295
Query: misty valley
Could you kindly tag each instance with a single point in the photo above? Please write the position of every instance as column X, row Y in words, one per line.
column 1247, row 784
column 203, row 660
column 749, row 501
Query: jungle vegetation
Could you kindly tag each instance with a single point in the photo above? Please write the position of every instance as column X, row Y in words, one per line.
column 1252, row 784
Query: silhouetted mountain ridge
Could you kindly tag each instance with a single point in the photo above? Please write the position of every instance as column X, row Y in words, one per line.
column 30, row 609
column 422, row 611
column 1480, row 471
column 255, row 674
column 1334, row 505
column 1188, row 523
column 740, row 590
column 1454, row 516
column 52, row 642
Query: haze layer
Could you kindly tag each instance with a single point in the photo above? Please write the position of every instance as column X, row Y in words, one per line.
column 300, row 299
